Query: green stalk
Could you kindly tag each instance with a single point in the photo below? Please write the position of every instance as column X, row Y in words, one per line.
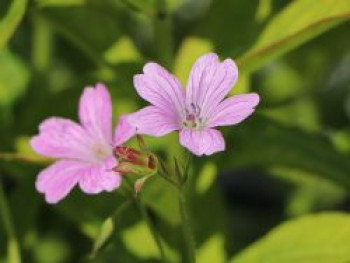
column 187, row 227
column 17, row 157
column 13, row 250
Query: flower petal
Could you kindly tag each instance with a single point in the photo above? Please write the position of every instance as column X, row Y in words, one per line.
column 209, row 82
column 95, row 113
column 62, row 138
column 206, row 141
column 58, row 180
column 234, row 110
column 162, row 89
column 124, row 131
column 99, row 177
column 153, row 121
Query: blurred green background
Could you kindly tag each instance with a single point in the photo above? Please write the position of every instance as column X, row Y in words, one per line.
column 288, row 166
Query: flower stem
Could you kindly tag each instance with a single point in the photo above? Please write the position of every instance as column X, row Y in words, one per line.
column 13, row 250
column 16, row 157
column 152, row 228
column 186, row 227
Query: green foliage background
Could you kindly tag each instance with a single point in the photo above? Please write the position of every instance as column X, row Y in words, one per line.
column 294, row 152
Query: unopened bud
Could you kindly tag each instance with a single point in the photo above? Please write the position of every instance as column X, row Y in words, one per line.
column 130, row 168
column 131, row 155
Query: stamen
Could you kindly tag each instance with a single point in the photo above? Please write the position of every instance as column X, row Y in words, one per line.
column 193, row 118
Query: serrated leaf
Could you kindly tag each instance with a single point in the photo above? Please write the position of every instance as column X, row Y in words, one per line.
column 299, row 22
column 322, row 238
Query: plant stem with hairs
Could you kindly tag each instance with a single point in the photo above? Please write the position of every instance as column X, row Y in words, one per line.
column 186, row 226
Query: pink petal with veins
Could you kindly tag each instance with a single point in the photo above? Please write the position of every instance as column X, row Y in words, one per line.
column 207, row 141
column 62, row 138
column 162, row 89
column 234, row 110
column 124, row 131
column 153, row 121
column 95, row 113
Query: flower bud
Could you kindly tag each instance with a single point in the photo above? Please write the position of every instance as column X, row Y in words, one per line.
column 132, row 161
column 131, row 155
column 130, row 168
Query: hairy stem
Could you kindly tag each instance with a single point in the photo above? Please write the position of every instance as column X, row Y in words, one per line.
column 187, row 227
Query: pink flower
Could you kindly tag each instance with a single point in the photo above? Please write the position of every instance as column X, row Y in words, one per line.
column 85, row 150
column 196, row 111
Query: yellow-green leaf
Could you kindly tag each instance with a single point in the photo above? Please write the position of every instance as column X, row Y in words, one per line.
column 10, row 22
column 60, row 3
column 297, row 23
column 322, row 238
column 105, row 234
column 190, row 50
column 213, row 250
column 14, row 76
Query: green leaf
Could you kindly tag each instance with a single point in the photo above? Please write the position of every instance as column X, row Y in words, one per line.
column 162, row 197
column 206, row 178
column 123, row 50
column 11, row 21
column 263, row 142
column 299, row 22
column 190, row 50
column 213, row 250
column 105, row 234
column 319, row 238
column 81, row 26
column 229, row 25
column 132, row 237
column 60, row 3
column 14, row 77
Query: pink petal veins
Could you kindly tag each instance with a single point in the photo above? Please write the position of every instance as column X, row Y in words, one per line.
column 62, row 138
column 153, row 121
column 124, row 131
column 95, row 113
column 205, row 142
column 94, row 179
column 234, row 110
column 86, row 149
column 209, row 82
column 57, row 180
column 162, row 89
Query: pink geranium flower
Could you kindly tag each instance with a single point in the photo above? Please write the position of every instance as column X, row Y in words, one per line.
column 85, row 150
column 196, row 111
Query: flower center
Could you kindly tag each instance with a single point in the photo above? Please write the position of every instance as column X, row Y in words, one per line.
column 101, row 151
column 193, row 118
